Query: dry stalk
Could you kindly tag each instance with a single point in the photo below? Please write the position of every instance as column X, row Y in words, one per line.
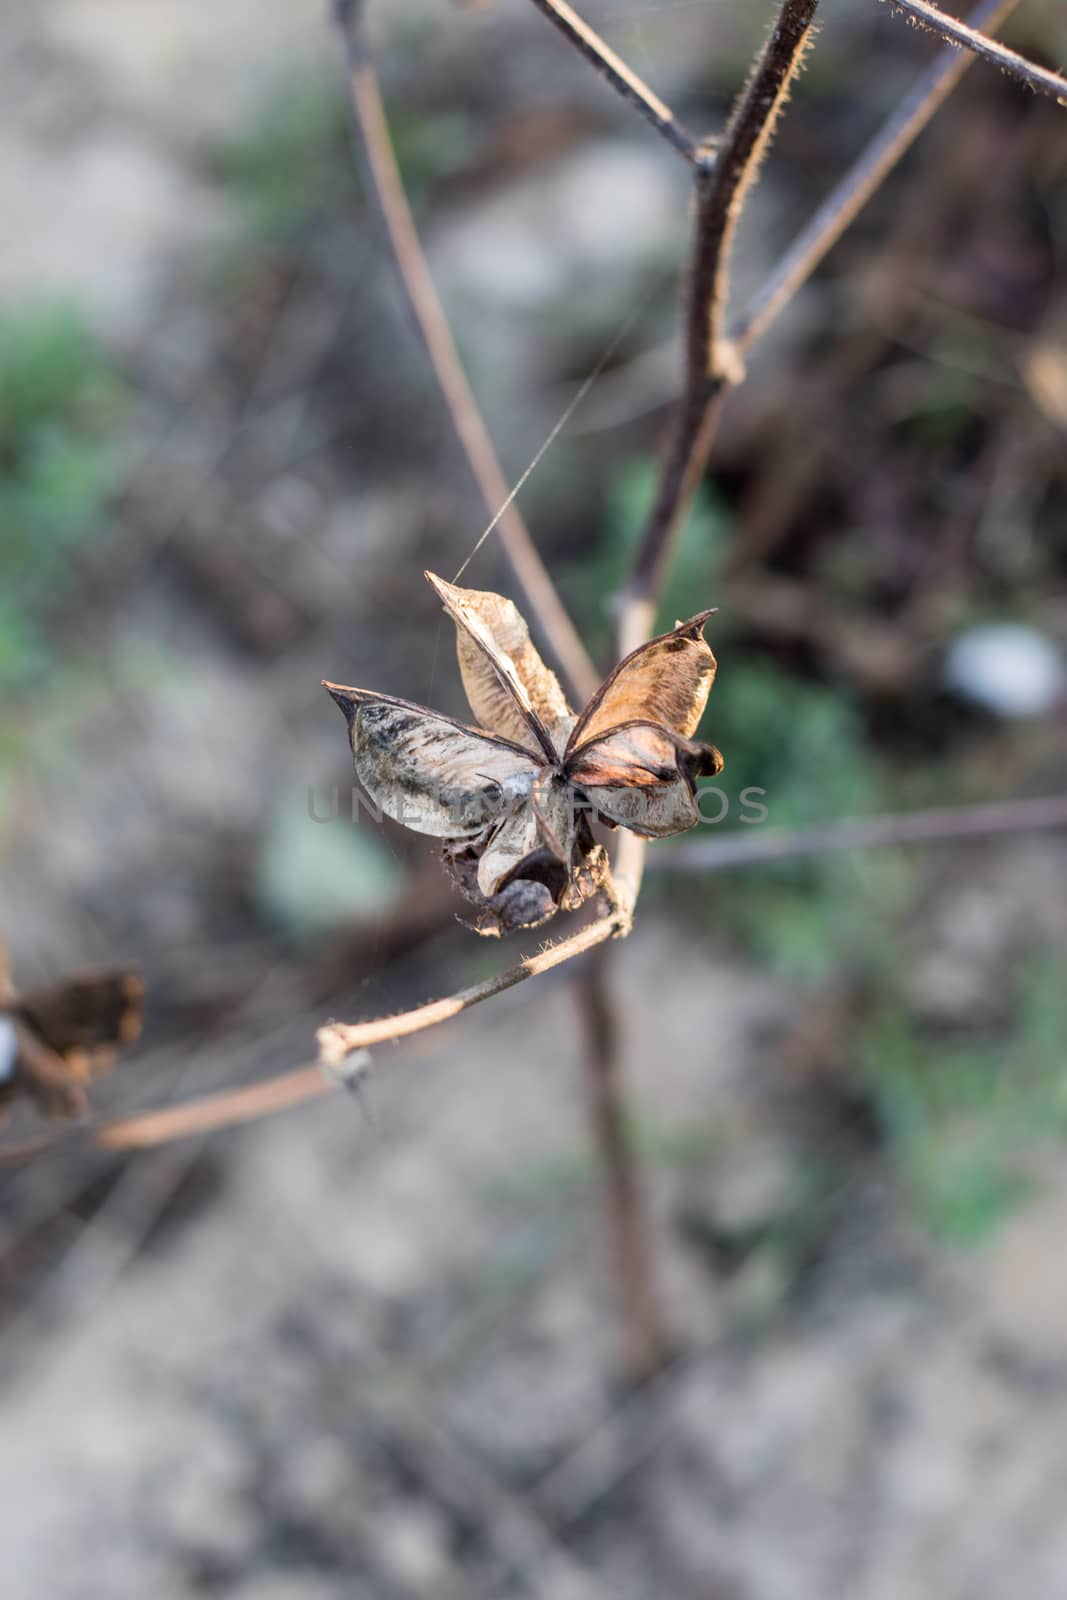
column 620, row 1173
column 623, row 79
column 388, row 188
column 337, row 1040
column 859, row 184
column 931, row 17
column 711, row 366
column 720, row 189
column 942, row 825
column 949, row 825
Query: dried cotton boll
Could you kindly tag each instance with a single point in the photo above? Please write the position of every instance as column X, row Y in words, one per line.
column 512, row 797
column 1007, row 668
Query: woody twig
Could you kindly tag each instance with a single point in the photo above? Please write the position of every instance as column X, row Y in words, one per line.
column 965, row 34
column 388, row 188
column 623, row 79
column 859, row 184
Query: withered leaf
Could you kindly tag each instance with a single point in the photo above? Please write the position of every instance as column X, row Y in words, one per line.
column 638, row 753
column 667, row 680
column 644, row 777
column 508, row 844
column 511, row 798
column 429, row 772
column 58, row 1037
column 547, row 823
column 91, row 1016
column 510, row 690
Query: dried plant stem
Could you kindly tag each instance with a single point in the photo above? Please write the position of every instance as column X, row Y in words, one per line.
column 339, row 1039
column 862, row 180
column 711, row 366
column 944, row 825
column 721, row 194
column 537, row 586
column 7, row 987
column 210, row 1112
column 684, row 465
column 622, row 78
column 624, row 1201
column 1040, row 79
column 624, row 1207
column 709, row 369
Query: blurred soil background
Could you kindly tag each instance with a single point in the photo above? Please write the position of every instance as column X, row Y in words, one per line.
column 333, row 1356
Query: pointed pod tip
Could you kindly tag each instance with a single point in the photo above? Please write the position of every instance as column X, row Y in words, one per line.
column 347, row 699
column 695, row 625
column 450, row 596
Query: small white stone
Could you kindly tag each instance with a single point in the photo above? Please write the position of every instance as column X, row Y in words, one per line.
column 9, row 1048
column 1008, row 668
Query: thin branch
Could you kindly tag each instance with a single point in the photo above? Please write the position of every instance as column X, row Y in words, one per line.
column 941, row 825
column 8, row 992
column 944, row 825
column 931, row 17
column 209, row 1112
column 866, row 175
column 646, row 1334
column 624, row 1201
column 622, row 78
column 710, row 365
column 388, row 186
column 523, row 1544
column 337, row 1040
column 616, row 1445
column 748, row 135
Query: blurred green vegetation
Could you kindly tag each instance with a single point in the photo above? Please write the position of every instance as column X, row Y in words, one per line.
column 293, row 162
column 60, row 403
column 296, row 161
column 74, row 688
column 432, row 144
column 963, row 1121
column 311, row 881
column 608, row 557
column 803, row 744
column 768, row 1257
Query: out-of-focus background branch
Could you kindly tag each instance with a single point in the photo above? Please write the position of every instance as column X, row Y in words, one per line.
column 340, row 1357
